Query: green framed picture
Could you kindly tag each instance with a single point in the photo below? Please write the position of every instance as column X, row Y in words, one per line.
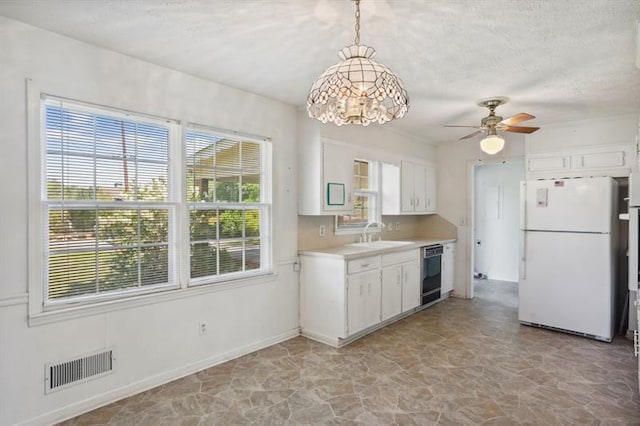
column 335, row 194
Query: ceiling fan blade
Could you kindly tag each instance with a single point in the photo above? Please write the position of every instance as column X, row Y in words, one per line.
column 455, row 125
column 520, row 129
column 470, row 135
column 518, row 118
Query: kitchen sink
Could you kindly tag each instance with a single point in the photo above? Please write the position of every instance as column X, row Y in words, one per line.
column 380, row 244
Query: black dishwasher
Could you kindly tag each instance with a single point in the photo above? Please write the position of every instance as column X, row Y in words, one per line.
column 431, row 273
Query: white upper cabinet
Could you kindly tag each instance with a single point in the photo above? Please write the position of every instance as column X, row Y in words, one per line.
column 409, row 189
column 608, row 160
column 407, row 184
column 337, row 168
column 325, row 170
column 430, row 195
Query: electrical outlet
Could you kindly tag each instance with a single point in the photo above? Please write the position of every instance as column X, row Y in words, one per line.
column 397, row 226
column 203, row 328
column 390, row 226
column 322, row 230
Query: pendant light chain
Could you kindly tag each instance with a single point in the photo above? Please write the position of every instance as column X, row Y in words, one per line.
column 357, row 40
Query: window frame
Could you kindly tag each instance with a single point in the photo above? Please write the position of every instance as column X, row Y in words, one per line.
column 265, row 206
column 171, row 204
column 40, row 312
column 375, row 201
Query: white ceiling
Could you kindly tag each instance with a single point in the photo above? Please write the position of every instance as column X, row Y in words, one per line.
column 558, row 60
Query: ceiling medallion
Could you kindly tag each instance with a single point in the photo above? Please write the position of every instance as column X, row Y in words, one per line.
column 357, row 90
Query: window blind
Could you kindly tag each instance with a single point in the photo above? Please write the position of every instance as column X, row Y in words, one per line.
column 106, row 201
column 227, row 205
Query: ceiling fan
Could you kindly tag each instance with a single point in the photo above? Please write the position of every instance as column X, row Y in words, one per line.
column 493, row 123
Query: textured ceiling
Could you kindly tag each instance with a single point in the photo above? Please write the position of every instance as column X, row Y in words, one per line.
column 558, row 60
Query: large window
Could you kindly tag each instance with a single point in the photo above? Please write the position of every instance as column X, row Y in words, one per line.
column 115, row 205
column 228, row 204
column 366, row 200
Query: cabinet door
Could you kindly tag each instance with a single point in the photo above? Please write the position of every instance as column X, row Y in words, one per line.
column 430, row 189
column 373, row 298
column 356, row 284
column 419, row 188
column 391, row 291
column 363, row 300
column 337, row 167
column 406, row 187
column 448, row 256
column 411, row 285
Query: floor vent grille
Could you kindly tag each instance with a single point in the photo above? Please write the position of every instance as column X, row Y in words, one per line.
column 78, row 370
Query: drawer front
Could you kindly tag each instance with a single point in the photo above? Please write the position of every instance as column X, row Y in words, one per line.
column 364, row 264
column 400, row 257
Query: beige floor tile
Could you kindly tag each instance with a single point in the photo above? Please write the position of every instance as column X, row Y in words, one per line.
column 458, row 362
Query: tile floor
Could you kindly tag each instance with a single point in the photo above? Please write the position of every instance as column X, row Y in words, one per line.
column 459, row 362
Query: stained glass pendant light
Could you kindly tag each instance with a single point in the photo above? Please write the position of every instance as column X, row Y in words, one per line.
column 357, row 90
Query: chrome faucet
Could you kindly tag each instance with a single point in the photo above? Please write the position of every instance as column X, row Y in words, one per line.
column 363, row 237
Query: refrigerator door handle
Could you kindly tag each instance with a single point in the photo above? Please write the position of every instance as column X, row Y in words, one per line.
column 523, row 204
column 523, row 255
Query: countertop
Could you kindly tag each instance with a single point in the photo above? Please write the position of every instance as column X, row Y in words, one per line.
column 348, row 252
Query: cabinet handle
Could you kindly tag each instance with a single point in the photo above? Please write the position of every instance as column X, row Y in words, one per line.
column 361, row 290
column 364, row 265
column 349, row 197
column 406, row 279
column 417, row 202
column 411, row 201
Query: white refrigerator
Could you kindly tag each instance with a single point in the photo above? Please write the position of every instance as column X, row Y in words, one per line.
column 567, row 252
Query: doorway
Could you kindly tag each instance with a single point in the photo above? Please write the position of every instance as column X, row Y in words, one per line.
column 496, row 221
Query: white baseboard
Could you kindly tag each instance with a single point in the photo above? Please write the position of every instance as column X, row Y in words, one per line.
column 101, row 400
column 318, row 337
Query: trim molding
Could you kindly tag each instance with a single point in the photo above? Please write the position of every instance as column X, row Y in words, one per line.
column 101, row 400
column 17, row 299
column 165, row 295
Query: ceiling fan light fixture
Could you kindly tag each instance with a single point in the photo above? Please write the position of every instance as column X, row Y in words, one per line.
column 492, row 144
column 357, row 90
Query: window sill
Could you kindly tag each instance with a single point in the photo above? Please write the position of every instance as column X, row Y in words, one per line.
column 159, row 296
column 355, row 231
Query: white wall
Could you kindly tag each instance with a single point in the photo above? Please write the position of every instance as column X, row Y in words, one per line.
column 496, row 219
column 578, row 135
column 384, row 143
column 156, row 340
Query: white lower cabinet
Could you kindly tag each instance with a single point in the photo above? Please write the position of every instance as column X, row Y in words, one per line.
column 391, row 291
column 411, row 286
column 363, row 300
column 448, row 256
column 341, row 299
